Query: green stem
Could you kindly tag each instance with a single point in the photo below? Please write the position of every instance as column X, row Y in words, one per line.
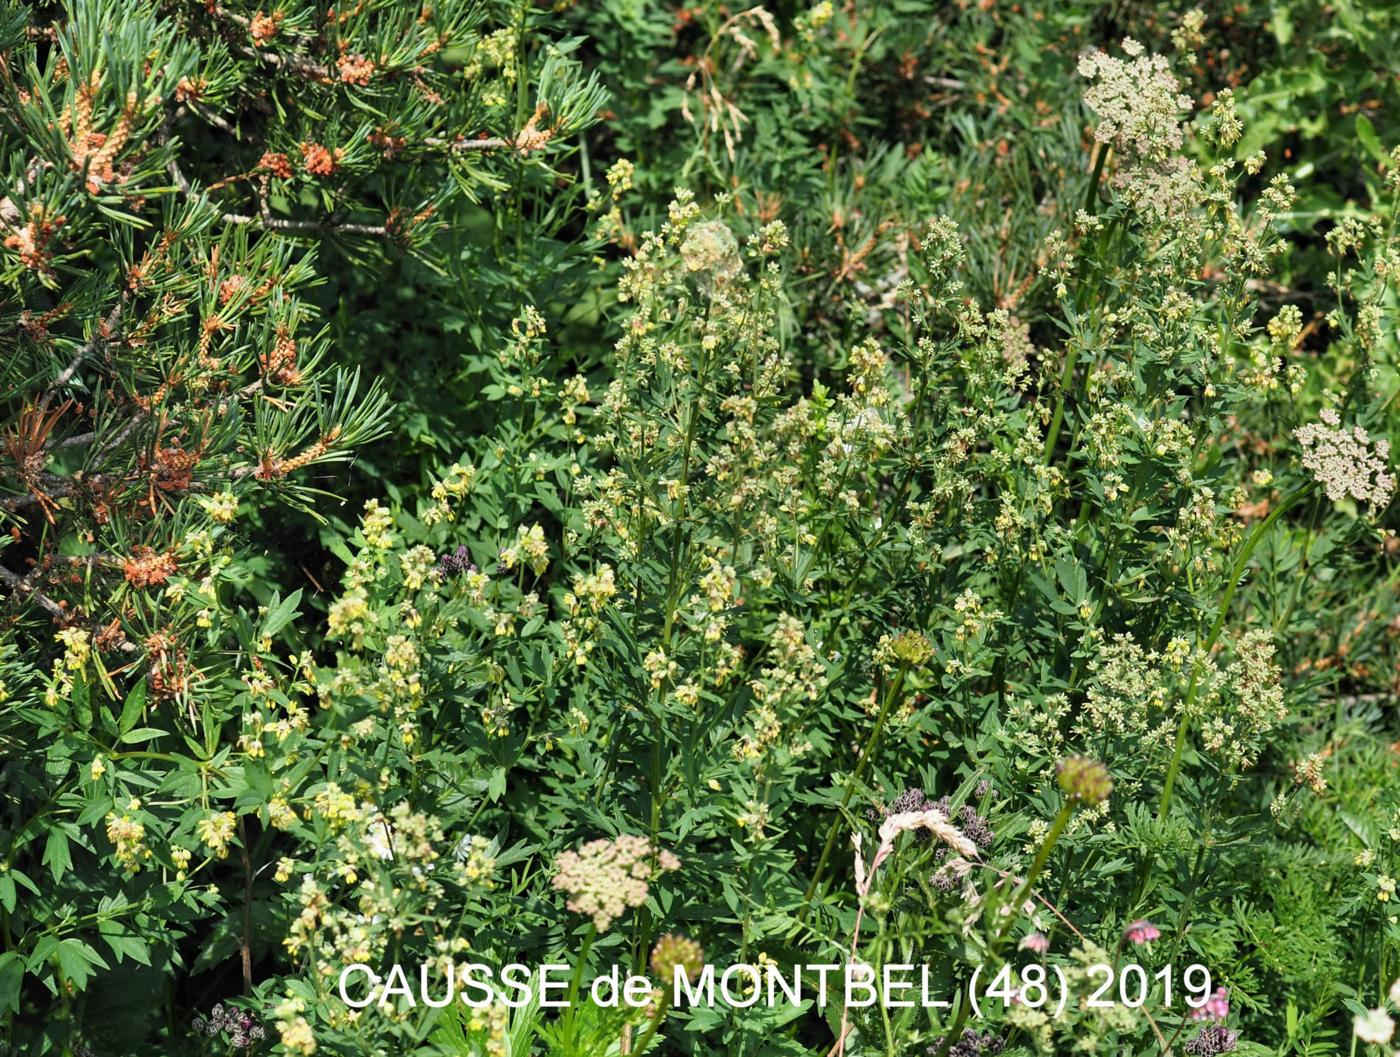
column 1183, row 918
column 866, row 755
column 1178, row 751
column 1057, row 419
column 641, row 1046
column 1041, row 858
column 1072, row 360
column 572, row 999
column 1091, row 200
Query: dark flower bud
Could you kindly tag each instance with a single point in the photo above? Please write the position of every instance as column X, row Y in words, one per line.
column 458, row 561
column 1212, row 1041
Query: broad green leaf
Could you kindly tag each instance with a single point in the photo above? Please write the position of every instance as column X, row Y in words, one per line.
column 11, row 978
column 140, row 734
column 133, row 708
column 79, row 962
column 1366, row 136
column 280, row 613
column 57, row 855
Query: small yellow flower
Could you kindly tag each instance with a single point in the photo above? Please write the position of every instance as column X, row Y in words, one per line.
column 216, row 831
column 222, row 507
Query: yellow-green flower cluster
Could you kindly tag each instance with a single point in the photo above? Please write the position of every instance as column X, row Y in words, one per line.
column 348, row 616
column 128, row 836
column 216, row 831
column 446, row 493
column 1244, row 703
column 77, row 651
column 793, row 676
column 529, row 548
column 294, row 1031
column 376, row 525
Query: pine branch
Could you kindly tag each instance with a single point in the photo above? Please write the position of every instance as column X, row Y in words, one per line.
column 69, row 486
column 308, row 227
column 116, row 442
column 20, row 586
column 23, row 587
column 207, row 116
column 96, row 342
column 466, row 146
column 177, row 175
column 58, row 486
column 298, row 64
column 268, row 223
column 77, row 440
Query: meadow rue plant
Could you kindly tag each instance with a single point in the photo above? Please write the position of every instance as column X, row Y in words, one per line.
column 907, row 508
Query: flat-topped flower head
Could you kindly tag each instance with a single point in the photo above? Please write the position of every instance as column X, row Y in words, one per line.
column 1139, row 106
column 1139, row 103
column 1346, row 461
column 606, row 877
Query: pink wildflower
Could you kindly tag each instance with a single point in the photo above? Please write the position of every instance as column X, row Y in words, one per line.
column 1217, row 1006
column 1142, row 931
column 1037, row 942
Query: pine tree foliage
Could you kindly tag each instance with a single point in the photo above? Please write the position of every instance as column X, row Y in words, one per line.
column 169, row 170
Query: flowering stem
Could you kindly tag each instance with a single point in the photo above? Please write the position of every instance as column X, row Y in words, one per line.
column 245, row 945
column 1052, row 434
column 1041, row 857
column 1236, row 571
column 1057, row 419
column 1183, row 918
column 1178, row 751
column 846, row 999
column 1091, row 200
column 1303, row 561
column 866, row 755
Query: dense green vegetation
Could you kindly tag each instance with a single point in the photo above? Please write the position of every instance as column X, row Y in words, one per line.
column 624, row 483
